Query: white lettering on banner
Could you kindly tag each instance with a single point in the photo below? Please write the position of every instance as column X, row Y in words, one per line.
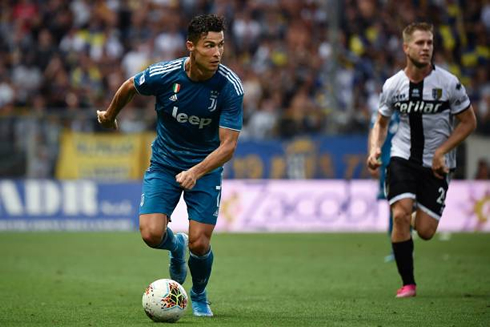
column 123, row 208
column 10, row 199
column 85, row 197
column 245, row 206
column 42, row 198
column 307, row 207
column 70, row 203
column 296, row 206
column 67, row 225
column 48, row 198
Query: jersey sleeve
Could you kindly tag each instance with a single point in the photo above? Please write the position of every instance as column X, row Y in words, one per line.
column 146, row 82
column 385, row 105
column 232, row 109
column 458, row 99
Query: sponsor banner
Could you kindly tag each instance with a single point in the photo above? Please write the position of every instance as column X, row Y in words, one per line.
column 327, row 157
column 122, row 157
column 103, row 156
column 301, row 206
column 246, row 206
column 68, row 205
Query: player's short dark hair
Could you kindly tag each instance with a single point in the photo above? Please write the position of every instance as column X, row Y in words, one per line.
column 418, row 26
column 202, row 25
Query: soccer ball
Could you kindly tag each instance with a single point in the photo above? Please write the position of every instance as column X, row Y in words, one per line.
column 165, row 300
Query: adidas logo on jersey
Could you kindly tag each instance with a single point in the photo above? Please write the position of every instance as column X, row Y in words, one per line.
column 173, row 98
column 193, row 120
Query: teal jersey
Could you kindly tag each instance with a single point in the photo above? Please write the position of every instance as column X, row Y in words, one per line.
column 189, row 113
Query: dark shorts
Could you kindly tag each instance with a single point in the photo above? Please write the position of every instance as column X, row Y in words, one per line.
column 161, row 194
column 406, row 179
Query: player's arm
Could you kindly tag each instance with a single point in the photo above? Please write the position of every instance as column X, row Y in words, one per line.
column 373, row 172
column 466, row 125
column 123, row 96
column 228, row 142
column 376, row 140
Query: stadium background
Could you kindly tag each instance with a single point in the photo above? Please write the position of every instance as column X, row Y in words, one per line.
column 311, row 70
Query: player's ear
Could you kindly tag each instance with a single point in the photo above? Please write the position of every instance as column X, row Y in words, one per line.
column 405, row 47
column 189, row 45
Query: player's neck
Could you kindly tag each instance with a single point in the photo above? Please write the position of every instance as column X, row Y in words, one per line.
column 194, row 73
column 417, row 74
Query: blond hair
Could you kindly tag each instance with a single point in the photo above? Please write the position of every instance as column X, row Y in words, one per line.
column 410, row 29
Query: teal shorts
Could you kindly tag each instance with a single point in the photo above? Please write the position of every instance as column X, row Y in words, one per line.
column 161, row 194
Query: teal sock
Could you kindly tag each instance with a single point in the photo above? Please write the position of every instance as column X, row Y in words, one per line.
column 200, row 267
column 169, row 242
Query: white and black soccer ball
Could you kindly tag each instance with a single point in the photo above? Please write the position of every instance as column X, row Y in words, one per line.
column 165, row 300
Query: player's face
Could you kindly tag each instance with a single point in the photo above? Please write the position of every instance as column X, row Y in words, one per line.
column 208, row 51
column 419, row 48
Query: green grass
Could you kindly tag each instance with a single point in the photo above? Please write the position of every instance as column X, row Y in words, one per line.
column 97, row 279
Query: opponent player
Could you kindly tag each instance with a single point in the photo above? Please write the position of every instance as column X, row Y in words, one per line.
column 199, row 111
column 427, row 98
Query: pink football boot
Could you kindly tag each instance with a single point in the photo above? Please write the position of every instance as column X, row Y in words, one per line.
column 407, row 291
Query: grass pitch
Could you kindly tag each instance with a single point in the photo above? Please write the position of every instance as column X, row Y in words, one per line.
column 97, row 279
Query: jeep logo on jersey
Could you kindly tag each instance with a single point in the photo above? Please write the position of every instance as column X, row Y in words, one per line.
column 420, row 106
column 193, row 120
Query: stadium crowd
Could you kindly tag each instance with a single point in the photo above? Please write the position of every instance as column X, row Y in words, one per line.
column 66, row 56
column 301, row 75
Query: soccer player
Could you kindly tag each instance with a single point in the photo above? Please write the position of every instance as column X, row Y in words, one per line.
column 380, row 173
column 427, row 98
column 199, row 117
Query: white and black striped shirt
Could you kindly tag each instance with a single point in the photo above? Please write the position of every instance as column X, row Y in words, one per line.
column 426, row 111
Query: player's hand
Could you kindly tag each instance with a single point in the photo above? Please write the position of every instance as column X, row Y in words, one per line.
column 374, row 173
column 439, row 167
column 187, row 179
column 374, row 159
column 106, row 122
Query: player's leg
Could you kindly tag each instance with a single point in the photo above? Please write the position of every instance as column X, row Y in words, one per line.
column 156, row 234
column 425, row 225
column 390, row 257
column 431, row 198
column 403, row 245
column 382, row 196
column 160, row 196
column 203, row 206
column 200, row 264
column 401, row 195
column 153, row 230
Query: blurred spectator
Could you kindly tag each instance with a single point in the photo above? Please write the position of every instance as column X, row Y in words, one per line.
column 300, row 74
column 7, row 93
column 483, row 112
column 281, row 47
column 482, row 171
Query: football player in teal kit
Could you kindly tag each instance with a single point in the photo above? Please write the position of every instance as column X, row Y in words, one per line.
column 199, row 110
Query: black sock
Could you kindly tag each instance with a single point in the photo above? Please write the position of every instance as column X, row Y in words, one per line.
column 403, row 252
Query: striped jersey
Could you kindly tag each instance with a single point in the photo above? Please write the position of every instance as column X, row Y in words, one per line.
column 426, row 111
column 189, row 113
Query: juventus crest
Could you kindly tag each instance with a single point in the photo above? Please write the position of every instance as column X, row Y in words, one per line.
column 214, row 100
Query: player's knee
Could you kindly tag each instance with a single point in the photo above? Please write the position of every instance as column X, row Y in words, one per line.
column 199, row 245
column 426, row 233
column 152, row 237
column 402, row 218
